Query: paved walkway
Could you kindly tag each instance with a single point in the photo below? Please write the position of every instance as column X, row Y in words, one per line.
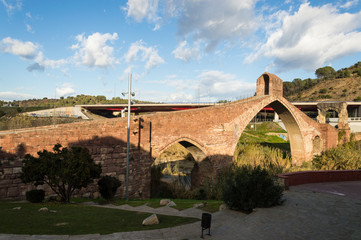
column 313, row 211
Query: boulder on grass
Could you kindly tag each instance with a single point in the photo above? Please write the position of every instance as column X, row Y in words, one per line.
column 198, row 205
column 171, row 204
column 44, row 209
column 164, row 202
column 151, row 220
column 223, row 206
column 16, row 208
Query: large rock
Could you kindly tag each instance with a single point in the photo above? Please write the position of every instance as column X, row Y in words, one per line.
column 171, row 204
column 151, row 220
column 44, row 209
column 198, row 205
column 223, row 206
column 164, row 202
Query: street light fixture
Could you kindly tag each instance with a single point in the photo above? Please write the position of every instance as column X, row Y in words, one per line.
column 130, row 94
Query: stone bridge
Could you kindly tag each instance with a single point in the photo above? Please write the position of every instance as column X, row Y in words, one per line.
column 210, row 134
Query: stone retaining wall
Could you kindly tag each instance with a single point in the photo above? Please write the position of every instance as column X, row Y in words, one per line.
column 298, row 178
column 105, row 140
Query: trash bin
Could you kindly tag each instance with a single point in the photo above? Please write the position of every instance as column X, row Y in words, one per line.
column 206, row 223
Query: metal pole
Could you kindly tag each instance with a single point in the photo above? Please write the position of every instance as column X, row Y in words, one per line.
column 128, row 136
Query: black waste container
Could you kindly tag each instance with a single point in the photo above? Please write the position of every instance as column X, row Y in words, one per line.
column 206, row 222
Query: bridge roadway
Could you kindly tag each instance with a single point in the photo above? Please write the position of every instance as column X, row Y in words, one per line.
column 354, row 108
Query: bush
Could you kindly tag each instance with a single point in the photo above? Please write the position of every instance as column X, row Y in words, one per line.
column 358, row 99
column 344, row 157
column 323, row 90
column 35, row 196
column 246, row 188
column 272, row 159
column 108, row 186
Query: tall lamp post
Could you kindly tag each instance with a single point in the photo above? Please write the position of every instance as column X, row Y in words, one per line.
column 130, row 94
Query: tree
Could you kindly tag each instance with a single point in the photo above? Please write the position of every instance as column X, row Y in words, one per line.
column 64, row 170
column 325, row 72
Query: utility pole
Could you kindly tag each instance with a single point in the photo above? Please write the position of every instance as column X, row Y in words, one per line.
column 130, row 94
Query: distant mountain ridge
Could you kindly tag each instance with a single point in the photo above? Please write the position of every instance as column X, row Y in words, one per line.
column 330, row 85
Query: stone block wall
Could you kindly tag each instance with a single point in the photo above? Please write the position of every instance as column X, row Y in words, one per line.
column 106, row 141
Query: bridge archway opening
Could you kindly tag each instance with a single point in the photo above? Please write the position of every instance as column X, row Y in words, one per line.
column 182, row 164
column 263, row 142
column 290, row 141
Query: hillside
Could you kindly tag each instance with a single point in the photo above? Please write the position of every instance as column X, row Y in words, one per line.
column 331, row 85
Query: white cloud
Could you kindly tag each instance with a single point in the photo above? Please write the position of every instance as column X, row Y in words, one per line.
column 29, row 28
column 26, row 50
column 10, row 96
column 149, row 55
column 311, row 38
column 93, row 51
column 349, row 4
column 49, row 62
column 28, row 14
column 181, row 97
column 209, row 86
column 29, row 51
column 185, row 53
column 208, row 20
column 65, row 90
column 214, row 22
column 12, row 5
column 219, row 85
column 142, row 9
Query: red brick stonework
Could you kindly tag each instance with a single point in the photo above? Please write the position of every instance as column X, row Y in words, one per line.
column 210, row 134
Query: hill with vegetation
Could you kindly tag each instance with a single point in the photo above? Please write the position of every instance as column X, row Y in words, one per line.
column 11, row 116
column 330, row 85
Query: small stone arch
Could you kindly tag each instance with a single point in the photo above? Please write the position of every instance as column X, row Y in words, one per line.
column 339, row 107
column 194, row 148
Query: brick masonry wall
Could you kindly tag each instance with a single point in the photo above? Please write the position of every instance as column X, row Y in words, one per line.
column 106, row 141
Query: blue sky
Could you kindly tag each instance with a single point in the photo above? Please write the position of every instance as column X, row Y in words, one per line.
column 176, row 50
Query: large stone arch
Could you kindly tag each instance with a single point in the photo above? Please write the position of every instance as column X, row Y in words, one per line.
column 290, row 120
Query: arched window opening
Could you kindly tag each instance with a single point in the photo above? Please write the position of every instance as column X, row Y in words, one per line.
column 266, row 84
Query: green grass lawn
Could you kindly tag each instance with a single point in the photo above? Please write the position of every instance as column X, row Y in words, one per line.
column 76, row 219
column 260, row 136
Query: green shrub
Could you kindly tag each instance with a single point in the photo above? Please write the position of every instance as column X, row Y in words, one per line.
column 249, row 187
column 343, row 157
column 358, row 99
column 323, row 90
column 108, row 186
column 35, row 196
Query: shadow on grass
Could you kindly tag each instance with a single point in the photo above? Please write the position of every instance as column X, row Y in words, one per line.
column 72, row 219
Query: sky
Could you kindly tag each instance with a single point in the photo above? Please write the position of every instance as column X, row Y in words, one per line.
column 176, row 50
